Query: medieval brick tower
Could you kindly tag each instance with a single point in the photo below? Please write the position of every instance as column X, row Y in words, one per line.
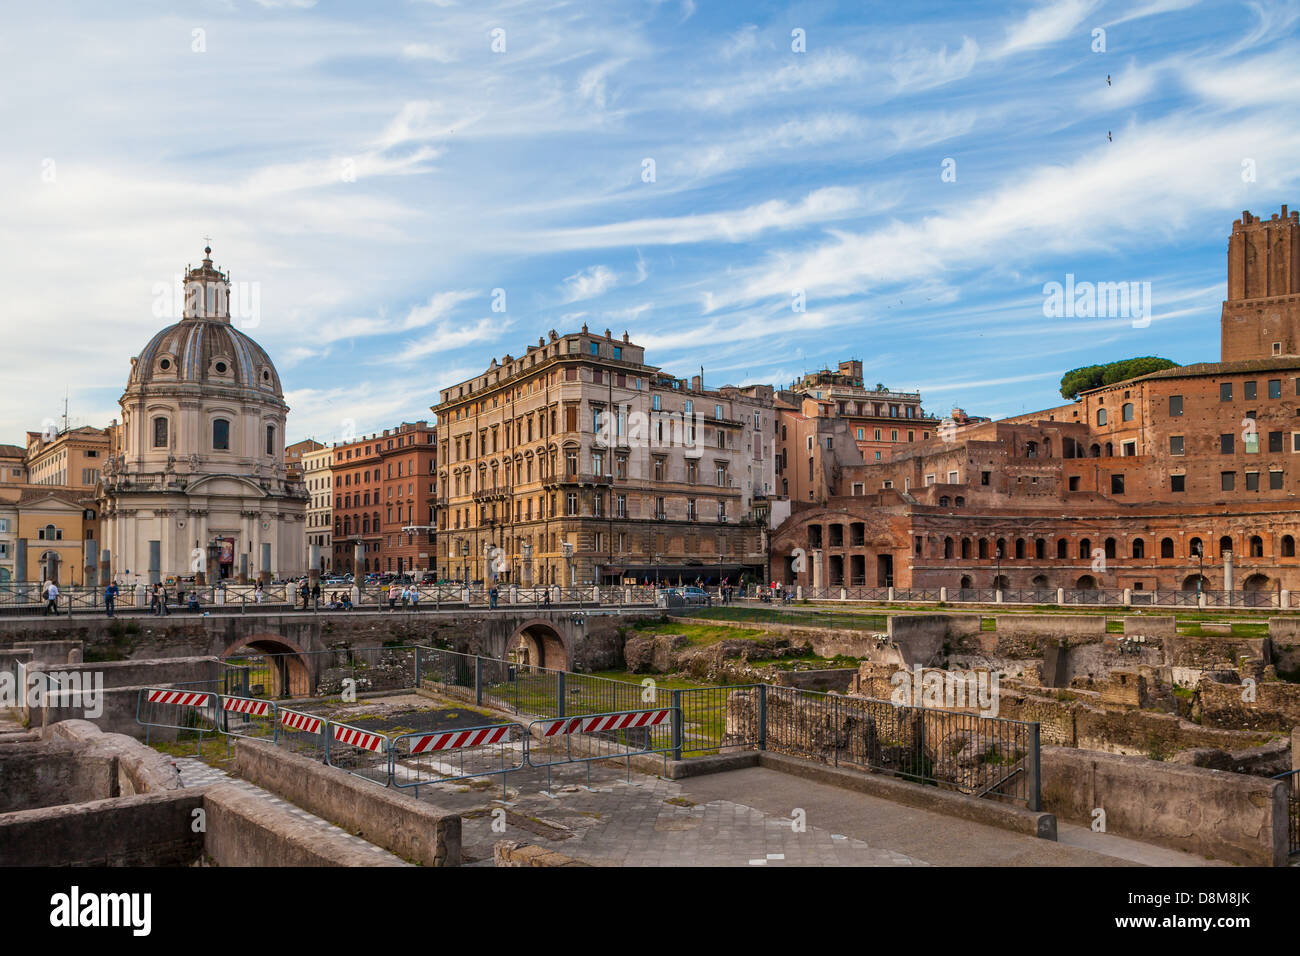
column 1261, row 317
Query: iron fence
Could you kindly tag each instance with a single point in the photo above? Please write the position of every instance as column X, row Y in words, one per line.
column 970, row 753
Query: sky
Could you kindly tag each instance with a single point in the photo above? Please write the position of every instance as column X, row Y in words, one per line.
column 403, row 191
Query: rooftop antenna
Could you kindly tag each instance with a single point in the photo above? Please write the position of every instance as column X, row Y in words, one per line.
column 65, row 408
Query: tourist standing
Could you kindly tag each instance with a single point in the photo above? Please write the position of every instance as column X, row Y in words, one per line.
column 110, row 597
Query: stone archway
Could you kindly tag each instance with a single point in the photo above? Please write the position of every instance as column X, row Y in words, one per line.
column 267, row 665
column 1086, row 583
column 537, row 643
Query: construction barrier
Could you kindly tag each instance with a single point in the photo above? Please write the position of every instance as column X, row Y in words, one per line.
column 248, row 717
column 181, row 710
column 446, row 755
column 360, row 752
column 619, row 735
column 301, row 733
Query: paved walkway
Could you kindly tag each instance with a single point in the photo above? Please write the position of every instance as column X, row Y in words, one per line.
column 749, row 817
column 196, row 773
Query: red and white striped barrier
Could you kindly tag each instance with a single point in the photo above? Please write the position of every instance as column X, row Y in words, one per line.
column 455, row 739
column 304, row 722
column 361, row 739
column 246, row 705
column 179, row 697
column 595, row 723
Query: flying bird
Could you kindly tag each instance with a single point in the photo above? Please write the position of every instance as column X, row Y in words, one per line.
column 1108, row 79
column 1109, row 138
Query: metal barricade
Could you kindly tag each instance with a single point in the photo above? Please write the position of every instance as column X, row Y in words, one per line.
column 301, row 733
column 248, row 717
column 618, row 735
column 181, row 710
column 442, row 756
column 361, row 753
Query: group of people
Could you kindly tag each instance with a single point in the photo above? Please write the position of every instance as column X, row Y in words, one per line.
column 408, row 594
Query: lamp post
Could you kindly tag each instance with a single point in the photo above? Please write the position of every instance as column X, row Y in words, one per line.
column 1200, row 569
column 464, row 559
column 997, row 580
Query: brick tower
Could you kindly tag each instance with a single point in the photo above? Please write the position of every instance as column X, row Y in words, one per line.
column 1261, row 317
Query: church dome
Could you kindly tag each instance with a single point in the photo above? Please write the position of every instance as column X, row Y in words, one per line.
column 204, row 348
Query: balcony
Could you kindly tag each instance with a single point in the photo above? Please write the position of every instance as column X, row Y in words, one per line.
column 594, row 481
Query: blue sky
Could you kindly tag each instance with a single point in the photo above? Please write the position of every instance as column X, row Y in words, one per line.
column 377, row 170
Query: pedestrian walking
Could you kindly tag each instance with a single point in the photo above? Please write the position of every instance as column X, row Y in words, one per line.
column 305, row 592
column 51, row 594
column 315, row 595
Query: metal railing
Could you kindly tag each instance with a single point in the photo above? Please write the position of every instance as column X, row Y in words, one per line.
column 967, row 752
column 970, row 753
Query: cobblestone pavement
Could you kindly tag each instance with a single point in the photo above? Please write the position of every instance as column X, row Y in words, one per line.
column 196, row 773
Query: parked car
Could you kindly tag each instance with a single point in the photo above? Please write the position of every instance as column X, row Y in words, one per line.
column 682, row 597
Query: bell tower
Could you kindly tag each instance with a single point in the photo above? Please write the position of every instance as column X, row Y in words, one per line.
column 1261, row 316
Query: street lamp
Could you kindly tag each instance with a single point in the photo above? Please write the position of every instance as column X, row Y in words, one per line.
column 464, row 555
column 1200, row 569
column 997, row 580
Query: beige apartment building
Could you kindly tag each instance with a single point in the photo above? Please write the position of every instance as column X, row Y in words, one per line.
column 317, row 475
column 72, row 458
column 577, row 463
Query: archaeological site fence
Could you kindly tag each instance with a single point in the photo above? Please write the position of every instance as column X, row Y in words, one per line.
column 961, row 750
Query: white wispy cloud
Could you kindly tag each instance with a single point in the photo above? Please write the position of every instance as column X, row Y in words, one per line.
column 589, row 283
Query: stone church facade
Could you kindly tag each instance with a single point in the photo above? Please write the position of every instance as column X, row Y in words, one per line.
column 196, row 482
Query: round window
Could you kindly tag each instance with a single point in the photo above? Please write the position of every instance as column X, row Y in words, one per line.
column 266, row 376
column 221, row 367
column 165, row 364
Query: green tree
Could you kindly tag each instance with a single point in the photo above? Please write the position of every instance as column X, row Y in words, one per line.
column 1082, row 379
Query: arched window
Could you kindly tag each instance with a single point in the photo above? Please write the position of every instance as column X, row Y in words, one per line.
column 1062, row 548
column 1110, row 450
column 1166, row 547
column 1225, row 543
column 1110, row 547
column 1085, row 548
column 1096, row 451
column 1101, row 416
column 160, row 432
column 220, row 434
column 1126, row 413
column 965, row 547
column 1040, row 549
column 984, row 547
column 270, row 439
column 1288, row 546
column 944, row 501
column 1195, row 547
column 947, row 547
column 1139, row 548
column 1002, row 547
column 1256, row 546
column 1020, row 547
column 961, row 502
